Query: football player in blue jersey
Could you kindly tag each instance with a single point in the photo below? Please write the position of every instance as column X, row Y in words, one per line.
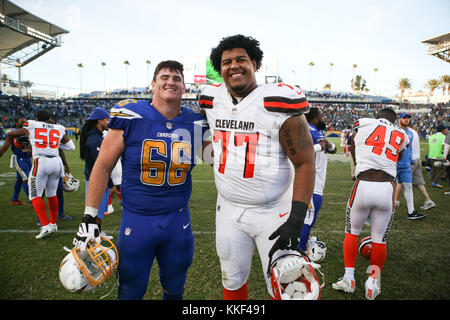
column 322, row 146
column 21, row 159
column 157, row 143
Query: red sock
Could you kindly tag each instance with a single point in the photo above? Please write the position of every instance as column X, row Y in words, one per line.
column 377, row 258
column 239, row 294
column 119, row 194
column 39, row 208
column 53, row 208
column 110, row 198
column 350, row 250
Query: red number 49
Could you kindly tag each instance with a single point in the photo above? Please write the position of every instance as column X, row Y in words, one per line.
column 378, row 140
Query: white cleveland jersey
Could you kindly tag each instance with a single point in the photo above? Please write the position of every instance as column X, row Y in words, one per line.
column 44, row 137
column 250, row 167
column 378, row 143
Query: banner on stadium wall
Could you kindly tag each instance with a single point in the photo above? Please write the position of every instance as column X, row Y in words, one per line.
column 194, row 69
column 212, row 76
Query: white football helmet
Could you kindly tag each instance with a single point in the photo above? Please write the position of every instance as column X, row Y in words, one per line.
column 316, row 250
column 293, row 277
column 70, row 184
column 82, row 271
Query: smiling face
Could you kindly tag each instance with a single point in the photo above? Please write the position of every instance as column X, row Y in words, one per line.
column 168, row 85
column 238, row 72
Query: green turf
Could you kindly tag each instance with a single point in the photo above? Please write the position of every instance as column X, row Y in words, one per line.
column 418, row 252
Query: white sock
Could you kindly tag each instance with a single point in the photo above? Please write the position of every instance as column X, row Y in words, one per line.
column 349, row 273
column 409, row 197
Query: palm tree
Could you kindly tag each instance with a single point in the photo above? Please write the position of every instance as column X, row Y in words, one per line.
column 148, row 62
column 327, row 86
column 445, row 80
column 80, row 66
column 403, row 84
column 104, row 75
column 432, row 85
column 311, row 64
column 354, row 70
column 126, row 63
column 375, row 70
column 331, row 69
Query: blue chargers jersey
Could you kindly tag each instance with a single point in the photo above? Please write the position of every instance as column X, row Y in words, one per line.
column 159, row 156
column 406, row 159
column 316, row 134
column 20, row 153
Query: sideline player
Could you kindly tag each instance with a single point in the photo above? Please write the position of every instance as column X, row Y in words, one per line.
column 405, row 167
column 377, row 144
column 45, row 139
column 263, row 162
column 322, row 146
column 157, row 143
column 20, row 159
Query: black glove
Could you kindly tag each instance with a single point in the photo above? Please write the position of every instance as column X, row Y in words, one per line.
column 87, row 230
column 289, row 232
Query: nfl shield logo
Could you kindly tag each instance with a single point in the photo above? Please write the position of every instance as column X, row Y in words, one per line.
column 169, row 125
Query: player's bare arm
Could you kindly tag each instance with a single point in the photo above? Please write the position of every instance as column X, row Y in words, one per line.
column 110, row 151
column 297, row 143
column 5, row 145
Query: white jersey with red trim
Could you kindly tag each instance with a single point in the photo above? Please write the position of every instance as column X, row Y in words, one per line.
column 250, row 167
column 44, row 137
column 378, row 143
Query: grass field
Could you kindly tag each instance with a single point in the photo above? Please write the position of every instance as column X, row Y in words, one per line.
column 417, row 266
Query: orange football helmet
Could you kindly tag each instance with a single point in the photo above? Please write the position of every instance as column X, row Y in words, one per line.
column 365, row 247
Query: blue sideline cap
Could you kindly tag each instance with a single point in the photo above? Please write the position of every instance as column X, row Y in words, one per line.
column 99, row 113
column 404, row 115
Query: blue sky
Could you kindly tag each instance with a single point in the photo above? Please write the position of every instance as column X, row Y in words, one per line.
column 372, row 34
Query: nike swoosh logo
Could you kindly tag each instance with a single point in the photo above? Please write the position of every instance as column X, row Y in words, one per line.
column 289, row 244
column 283, row 214
column 185, row 226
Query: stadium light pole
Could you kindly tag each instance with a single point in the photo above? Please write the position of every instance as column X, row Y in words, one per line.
column 354, row 69
column 331, row 70
column 148, row 62
column 375, row 70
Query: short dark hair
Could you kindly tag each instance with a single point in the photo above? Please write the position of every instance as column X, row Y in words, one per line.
column 42, row 115
column 387, row 113
column 312, row 114
column 172, row 65
column 251, row 45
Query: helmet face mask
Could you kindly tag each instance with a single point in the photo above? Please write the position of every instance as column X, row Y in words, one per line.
column 70, row 184
column 293, row 277
column 82, row 271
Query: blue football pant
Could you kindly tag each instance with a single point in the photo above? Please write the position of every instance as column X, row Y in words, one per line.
column 141, row 239
column 310, row 220
column 23, row 167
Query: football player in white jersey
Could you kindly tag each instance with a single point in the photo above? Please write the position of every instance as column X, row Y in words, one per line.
column 376, row 146
column 263, row 163
column 45, row 139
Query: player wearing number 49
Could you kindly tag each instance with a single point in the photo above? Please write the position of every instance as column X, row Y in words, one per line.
column 47, row 169
column 157, row 144
column 377, row 145
column 263, row 163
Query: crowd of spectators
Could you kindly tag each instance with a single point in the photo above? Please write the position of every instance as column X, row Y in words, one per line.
column 74, row 112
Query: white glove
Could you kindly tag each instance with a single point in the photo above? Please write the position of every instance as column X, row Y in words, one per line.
column 88, row 230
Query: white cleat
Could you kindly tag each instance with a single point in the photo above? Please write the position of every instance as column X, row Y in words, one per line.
column 54, row 227
column 344, row 284
column 373, row 288
column 104, row 235
column 45, row 232
column 110, row 208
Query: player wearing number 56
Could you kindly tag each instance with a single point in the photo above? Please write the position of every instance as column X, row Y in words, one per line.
column 263, row 163
column 47, row 168
column 157, row 144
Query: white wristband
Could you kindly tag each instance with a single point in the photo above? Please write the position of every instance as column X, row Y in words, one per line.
column 332, row 147
column 91, row 211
